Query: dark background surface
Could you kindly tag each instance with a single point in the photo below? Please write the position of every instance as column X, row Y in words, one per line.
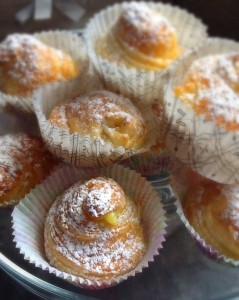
column 221, row 17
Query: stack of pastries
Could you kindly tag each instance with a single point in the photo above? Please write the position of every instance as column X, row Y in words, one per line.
column 94, row 230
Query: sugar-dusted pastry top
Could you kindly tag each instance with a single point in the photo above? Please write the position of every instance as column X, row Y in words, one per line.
column 24, row 162
column 141, row 38
column 26, row 63
column 213, row 211
column 104, row 115
column 211, row 89
column 93, row 231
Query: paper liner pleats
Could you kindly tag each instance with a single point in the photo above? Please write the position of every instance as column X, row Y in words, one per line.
column 29, row 216
column 209, row 150
column 150, row 163
column 75, row 148
column 145, row 86
column 68, row 42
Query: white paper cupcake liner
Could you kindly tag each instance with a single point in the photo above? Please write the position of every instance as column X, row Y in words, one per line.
column 29, row 216
column 75, row 148
column 207, row 149
column 69, row 43
column 145, row 86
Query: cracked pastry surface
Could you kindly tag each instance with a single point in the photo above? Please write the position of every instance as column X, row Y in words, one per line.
column 104, row 115
column 24, row 162
column 26, row 63
column 141, row 38
column 212, row 209
column 93, row 230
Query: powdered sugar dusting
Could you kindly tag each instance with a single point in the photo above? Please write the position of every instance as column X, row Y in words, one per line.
column 222, row 100
column 217, row 77
column 70, row 212
column 15, row 42
column 24, row 162
column 99, row 199
column 93, row 247
column 145, row 20
column 103, row 115
column 11, row 148
column 100, row 257
column 22, row 51
column 101, row 104
column 23, row 58
column 225, row 66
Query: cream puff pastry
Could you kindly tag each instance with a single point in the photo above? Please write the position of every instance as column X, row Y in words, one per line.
column 93, row 231
column 141, row 38
column 212, row 209
column 103, row 115
column 24, row 163
column 26, row 63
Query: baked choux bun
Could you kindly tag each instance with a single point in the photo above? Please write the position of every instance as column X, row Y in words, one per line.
column 211, row 89
column 146, row 37
column 93, row 231
column 131, row 45
column 103, row 115
column 24, row 163
column 26, row 63
column 212, row 209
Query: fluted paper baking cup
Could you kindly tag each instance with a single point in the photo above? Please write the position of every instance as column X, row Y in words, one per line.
column 29, row 217
column 150, row 163
column 145, row 86
column 69, row 43
column 212, row 253
column 210, row 150
column 180, row 182
column 75, row 148
column 207, row 249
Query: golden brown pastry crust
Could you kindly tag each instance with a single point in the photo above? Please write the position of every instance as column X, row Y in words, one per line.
column 104, row 115
column 90, row 248
column 213, row 211
column 24, row 162
column 141, row 38
column 26, row 63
